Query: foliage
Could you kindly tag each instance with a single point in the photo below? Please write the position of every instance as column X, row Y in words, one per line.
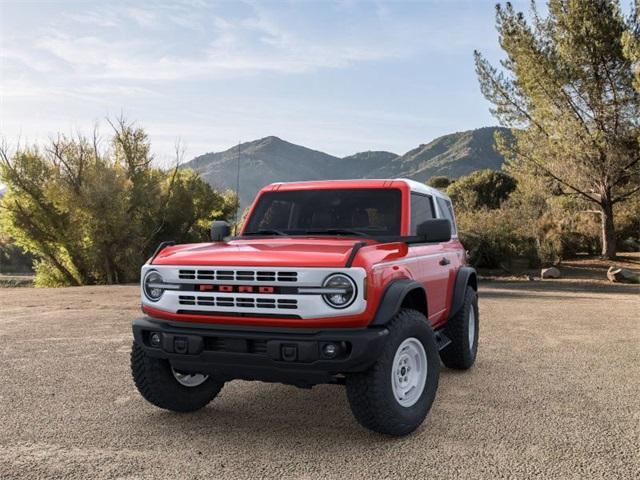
column 91, row 215
column 567, row 90
column 484, row 188
column 493, row 239
column 439, row 182
column 12, row 258
column 520, row 223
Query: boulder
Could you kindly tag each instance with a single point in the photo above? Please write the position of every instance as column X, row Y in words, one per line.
column 621, row 275
column 551, row 272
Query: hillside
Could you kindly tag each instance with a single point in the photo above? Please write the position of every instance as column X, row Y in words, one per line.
column 272, row 159
column 263, row 161
column 452, row 155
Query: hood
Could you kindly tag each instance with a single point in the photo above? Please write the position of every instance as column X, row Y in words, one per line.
column 272, row 252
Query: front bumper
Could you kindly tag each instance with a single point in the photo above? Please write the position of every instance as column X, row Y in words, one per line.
column 293, row 356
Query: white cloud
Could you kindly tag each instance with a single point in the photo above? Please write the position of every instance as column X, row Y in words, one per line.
column 178, row 62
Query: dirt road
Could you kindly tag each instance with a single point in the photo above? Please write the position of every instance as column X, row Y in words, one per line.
column 554, row 394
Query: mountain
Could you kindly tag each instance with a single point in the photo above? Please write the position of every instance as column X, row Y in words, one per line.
column 363, row 163
column 263, row 161
column 272, row 159
column 453, row 155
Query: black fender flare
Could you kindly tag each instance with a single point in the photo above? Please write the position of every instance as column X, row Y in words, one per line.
column 392, row 298
column 466, row 276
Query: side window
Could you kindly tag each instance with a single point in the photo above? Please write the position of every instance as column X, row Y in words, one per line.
column 421, row 210
column 447, row 211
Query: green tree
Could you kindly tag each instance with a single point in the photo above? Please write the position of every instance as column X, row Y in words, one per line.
column 483, row 188
column 566, row 89
column 91, row 215
column 440, row 183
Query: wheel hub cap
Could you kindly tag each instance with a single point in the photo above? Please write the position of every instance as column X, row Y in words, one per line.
column 409, row 372
column 189, row 379
column 472, row 328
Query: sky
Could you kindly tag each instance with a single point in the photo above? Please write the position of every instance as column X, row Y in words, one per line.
column 338, row 76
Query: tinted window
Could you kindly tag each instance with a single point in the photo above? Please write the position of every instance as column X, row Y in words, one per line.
column 371, row 211
column 447, row 211
column 421, row 210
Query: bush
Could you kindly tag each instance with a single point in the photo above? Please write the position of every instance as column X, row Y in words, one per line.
column 13, row 259
column 493, row 240
column 91, row 216
column 441, row 183
column 484, row 188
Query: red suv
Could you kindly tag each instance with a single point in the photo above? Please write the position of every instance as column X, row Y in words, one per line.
column 358, row 282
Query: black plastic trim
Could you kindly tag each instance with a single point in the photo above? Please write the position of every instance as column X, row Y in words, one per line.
column 354, row 251
column 464, row 276
column 392, row 299
column 235, row 353
column 161, row 247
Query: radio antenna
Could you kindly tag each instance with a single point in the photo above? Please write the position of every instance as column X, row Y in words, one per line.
column 237, row 189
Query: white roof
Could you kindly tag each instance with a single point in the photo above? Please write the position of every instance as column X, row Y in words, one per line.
column 414, row 186
column 422, row 188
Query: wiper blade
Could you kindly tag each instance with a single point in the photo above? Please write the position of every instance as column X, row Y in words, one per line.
column 336, row 231
column 267, row 232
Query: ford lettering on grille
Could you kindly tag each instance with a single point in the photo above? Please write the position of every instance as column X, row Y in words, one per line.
column 236, row 288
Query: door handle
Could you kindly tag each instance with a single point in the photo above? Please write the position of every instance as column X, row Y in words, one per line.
column 444, row 261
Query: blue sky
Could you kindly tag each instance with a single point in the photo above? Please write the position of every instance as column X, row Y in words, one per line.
column 341, row 76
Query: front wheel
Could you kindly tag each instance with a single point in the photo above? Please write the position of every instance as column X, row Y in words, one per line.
column 394, row 396
column 170, row 389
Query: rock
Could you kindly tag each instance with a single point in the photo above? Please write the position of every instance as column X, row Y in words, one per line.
column 551, row 272
column 621, row 275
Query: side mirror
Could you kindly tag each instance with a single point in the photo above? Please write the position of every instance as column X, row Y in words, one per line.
column 435, row 230
column 219, row 230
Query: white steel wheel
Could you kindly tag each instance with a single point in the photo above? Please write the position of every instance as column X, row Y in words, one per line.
column 409, row 372
column 189, row 379
column 472, row 328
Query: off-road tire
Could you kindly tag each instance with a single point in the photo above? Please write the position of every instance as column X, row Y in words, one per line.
column 370, row 393
column 155, row 382
column 459, row 354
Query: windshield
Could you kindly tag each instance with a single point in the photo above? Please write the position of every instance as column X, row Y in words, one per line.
column 374, row 212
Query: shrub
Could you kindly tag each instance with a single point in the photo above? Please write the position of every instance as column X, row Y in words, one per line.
column 493, row 240
column 441, row 183
column 92, row 216
column 484, row 188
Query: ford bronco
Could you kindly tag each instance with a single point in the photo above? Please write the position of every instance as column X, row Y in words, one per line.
column 355, row 282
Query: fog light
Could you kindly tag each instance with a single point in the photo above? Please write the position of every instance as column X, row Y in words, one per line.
column 155, row 339
column 330, row 350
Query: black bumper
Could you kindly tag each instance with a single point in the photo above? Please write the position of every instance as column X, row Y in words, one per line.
column 294, row 356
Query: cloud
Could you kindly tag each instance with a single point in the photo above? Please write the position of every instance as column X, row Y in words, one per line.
column 251, row 44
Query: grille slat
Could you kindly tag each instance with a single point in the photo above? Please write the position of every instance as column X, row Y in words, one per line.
column 238, row 275
column 239, row 302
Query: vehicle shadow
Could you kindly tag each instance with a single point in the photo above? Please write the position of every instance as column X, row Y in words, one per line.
column 265, row 414
column 256, row 413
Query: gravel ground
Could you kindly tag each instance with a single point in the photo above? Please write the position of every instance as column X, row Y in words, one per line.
column 554, row 394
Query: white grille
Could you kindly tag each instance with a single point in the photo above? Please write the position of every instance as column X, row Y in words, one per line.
column 238, row 302
column 238, row 275
column 288, row 302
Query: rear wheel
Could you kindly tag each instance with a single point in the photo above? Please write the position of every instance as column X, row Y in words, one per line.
column 462, row 329
column 394, row 396
column 170, row 389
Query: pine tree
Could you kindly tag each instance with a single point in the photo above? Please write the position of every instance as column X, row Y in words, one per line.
column 566, row 88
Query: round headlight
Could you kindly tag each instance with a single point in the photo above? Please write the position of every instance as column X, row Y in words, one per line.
column 153, row 286
column 341, row 290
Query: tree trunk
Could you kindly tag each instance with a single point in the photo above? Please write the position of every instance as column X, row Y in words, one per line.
column 608, row 230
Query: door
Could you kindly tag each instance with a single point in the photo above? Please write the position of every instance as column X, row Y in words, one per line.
column 432, row 266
